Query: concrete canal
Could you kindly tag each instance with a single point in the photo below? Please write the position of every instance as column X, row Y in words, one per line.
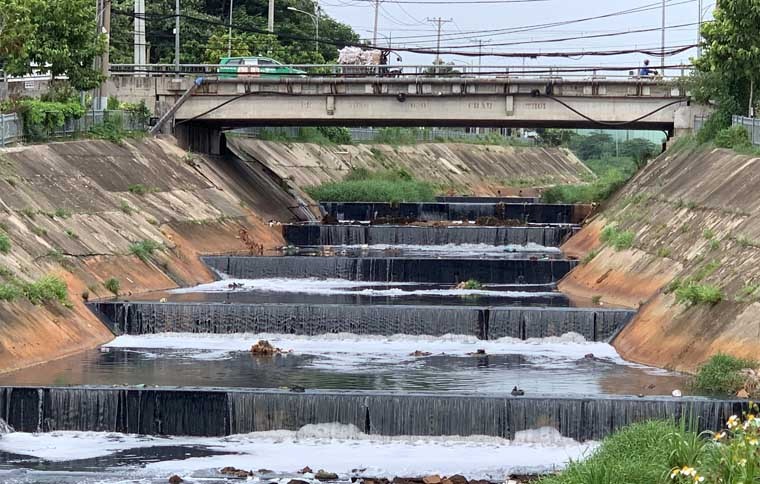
column 417, row 340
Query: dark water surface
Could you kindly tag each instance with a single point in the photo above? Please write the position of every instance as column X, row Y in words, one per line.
column 436, row 373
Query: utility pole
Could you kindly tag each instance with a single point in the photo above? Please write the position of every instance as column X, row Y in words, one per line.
column 662, row 58
column 104, row 59
column 229, row 38
column 439, row 21
column 140, row 41
column 699, row 30
column 377, row 14
column 176, row 39
column 270, row 24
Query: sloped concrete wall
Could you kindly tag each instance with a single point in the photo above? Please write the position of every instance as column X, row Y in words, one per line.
column 68, row 210
column 689, row 209
column 462, row 168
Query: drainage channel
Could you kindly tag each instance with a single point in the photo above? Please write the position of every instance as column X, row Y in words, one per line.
column 400, row 350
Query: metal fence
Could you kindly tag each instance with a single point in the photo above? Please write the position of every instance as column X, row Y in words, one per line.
column 12, row 126
column 11, row 129
column 752, row 125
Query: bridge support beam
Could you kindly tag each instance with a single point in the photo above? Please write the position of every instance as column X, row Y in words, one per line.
column 199, row 138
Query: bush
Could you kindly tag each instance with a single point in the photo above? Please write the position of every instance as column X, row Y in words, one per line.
column 41, row 118
column 48, row 288
column 470, row 284
column 597, row 191
column 9, row 291
column 144, row 249
column 5, row 243
column 720, row 375
column 733, row 137
column 637, row 454
column 692, row 293
column 113, row 285
column 618, row 239
column 361, row 185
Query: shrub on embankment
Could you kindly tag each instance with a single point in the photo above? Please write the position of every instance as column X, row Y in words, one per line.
column 723, row 375
column 46, row 289
column 639, row 454
column 661, row 452
column 362, row 185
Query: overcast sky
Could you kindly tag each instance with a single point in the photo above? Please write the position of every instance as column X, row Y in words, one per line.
column 404, row 21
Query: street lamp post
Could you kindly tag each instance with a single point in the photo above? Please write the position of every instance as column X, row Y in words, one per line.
column 229, row 38
column 315, row 18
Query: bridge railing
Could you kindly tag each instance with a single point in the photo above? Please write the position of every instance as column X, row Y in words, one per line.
column 398, row 71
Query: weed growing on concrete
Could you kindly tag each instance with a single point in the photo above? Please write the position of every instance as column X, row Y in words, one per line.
column 62, row 213
column 113, row 285
column 744, row 241
column 39, row 231
column 692, row 293
column 597, row 191
column 721, row 374
column 72, row 235
column 46, row 289
column 362, row 185
column 714, row 244
column 618, row 239
column 663, row 252
column 5, row 243
column 126, row 207
column 706, row 271
column 747, row 293
column 11, row 181
column 144, row 249
column 5, row 272
column 29, row 213
column 596, row 300
column 590, row 256
column 140, row 189
column 691, row 205
column 708, row 234
column 471, row 284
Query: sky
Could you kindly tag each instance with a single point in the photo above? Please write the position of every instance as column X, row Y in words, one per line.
column 403, row 22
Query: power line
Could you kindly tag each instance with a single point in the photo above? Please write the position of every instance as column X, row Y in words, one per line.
column 439, row 21
column 337, row 43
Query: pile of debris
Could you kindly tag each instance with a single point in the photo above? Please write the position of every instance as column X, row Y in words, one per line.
column 265, row 348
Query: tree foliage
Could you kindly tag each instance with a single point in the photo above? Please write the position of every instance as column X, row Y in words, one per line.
column 730, row 60
column 204, row 32
column 55, row 36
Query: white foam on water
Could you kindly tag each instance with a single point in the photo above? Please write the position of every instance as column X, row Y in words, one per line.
column 457, row 249
column 343, row 286
column 351, row 351
column 333, row 447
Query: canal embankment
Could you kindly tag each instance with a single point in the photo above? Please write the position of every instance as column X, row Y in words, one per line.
column 692, row 219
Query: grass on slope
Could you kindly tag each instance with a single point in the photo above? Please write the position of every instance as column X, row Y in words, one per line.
column 362, row 185
column 611, row 174
column 642, row 453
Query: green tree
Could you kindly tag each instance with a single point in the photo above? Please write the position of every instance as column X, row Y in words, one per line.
column 55, row 36
column 15, row 29
column 728, row 70
column 594, row 146
column 217, row 46
column 639, row 149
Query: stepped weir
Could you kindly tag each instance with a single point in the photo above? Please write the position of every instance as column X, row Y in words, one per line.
column 390, row 269
column 438, row 212
column 219, row 412
column 313, row 234
column 594, row 324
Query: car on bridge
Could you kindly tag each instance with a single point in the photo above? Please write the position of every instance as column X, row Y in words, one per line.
column 255, row 67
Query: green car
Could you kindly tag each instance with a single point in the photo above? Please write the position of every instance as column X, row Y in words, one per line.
column 255, row 67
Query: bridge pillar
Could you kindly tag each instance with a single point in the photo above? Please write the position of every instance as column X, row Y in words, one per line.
column 199, row 138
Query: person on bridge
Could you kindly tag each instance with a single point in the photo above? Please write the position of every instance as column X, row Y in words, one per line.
column 646, row 71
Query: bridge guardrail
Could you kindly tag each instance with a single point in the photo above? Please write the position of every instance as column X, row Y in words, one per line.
column 752, row 125
column 465, row 71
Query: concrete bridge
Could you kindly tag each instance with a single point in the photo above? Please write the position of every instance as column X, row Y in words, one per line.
column 219, row 104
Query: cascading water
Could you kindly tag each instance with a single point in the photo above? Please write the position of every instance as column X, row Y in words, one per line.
column 313, row 235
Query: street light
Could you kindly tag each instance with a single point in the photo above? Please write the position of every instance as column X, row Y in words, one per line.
column 229, row 39
column 315, row 18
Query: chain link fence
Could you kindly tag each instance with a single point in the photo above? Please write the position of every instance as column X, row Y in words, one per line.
column 373, row 134
column 12, row 126
column 752, row 125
